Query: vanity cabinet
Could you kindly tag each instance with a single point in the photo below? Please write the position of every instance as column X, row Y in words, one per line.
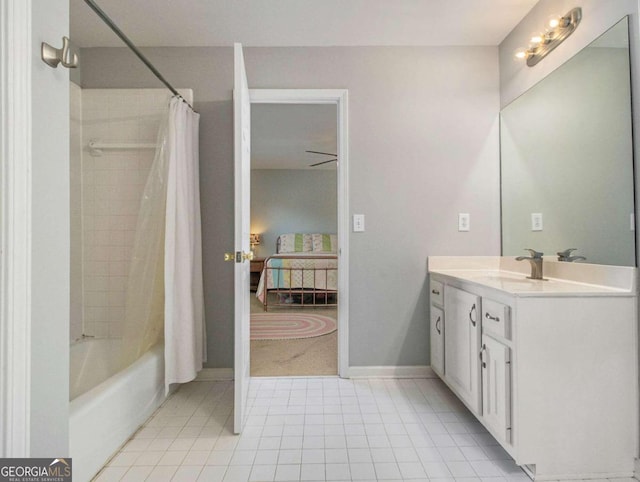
column 462, row 345
column 437, row 327
column 496, row 388
column 437, row 340
column 495, row 361
column 549, row 370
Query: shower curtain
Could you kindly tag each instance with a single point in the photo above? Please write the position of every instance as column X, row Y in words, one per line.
column 184, row 329
column 165, row 293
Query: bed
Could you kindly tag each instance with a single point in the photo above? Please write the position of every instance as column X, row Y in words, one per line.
column 302, row 272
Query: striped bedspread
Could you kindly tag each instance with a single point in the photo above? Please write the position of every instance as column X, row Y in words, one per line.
column 298, row 271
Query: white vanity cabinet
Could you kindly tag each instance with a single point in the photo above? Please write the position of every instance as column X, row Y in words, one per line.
column 549, row 369
column 462, row 345
column 495, row 360
column 496, row 387
column 437, row 340
column 437, row 327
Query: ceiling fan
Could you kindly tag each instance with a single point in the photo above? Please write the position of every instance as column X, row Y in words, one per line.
column 324, row 154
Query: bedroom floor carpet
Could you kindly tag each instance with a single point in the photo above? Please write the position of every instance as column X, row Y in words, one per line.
column 305, row 357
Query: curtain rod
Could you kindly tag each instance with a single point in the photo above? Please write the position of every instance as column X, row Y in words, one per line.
column 110, row 23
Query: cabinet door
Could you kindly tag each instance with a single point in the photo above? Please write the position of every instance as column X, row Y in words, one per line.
column 462, row 345
column 496, row 388
column 437, row 340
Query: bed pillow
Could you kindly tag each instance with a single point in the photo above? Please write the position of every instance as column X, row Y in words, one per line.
column 307, row 243
column 295, row 243
column 325, row 243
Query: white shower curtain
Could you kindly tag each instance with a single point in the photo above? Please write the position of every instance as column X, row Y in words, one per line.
column 184, row 328
column 164, row 291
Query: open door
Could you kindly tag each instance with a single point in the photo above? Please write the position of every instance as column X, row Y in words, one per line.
column 242, row 255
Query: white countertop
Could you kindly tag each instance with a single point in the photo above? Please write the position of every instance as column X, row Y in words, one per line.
column 563, row 279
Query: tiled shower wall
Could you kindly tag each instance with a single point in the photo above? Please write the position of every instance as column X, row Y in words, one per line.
column 112, row 185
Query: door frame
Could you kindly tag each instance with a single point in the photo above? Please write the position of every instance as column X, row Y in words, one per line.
column 339, row 98
column 16, row 61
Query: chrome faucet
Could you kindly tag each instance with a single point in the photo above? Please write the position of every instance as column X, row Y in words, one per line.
column 536, row 263
column 566, row 256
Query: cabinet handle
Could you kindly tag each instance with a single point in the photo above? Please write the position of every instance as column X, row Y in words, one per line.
column 437, row 328
column 484, row 348
column 494, row 318
column 473, row 308
column 435, row 292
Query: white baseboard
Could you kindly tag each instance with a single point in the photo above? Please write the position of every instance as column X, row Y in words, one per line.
column 214, row 374
column 417, row 371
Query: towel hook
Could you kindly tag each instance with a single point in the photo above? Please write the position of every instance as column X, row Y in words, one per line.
column 53, row 56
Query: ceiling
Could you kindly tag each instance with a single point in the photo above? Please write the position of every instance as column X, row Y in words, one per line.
column 281, row 133
column 280, row 23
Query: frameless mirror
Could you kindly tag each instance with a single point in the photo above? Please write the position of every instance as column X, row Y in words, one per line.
column 567, row 158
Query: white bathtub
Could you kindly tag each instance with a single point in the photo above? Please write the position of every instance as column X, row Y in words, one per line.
column 105, row 416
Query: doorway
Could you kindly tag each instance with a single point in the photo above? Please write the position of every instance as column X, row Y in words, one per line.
column 293, row 223
column 326, row 182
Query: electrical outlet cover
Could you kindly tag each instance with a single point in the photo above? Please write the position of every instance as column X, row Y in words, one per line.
column 464, row 222
column 536, row 221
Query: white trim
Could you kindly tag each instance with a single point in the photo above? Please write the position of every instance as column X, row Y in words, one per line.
column 636, row 467
column 339, row 97
column 16, row 57
column 214, row 374
column 418, row 371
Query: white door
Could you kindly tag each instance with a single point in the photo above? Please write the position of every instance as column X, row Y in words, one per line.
column 437, row 340
column 496, row 387
column 34, row 232
column 242, row 173
column 462, row 345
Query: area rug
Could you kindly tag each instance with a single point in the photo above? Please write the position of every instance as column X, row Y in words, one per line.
column 288, row 326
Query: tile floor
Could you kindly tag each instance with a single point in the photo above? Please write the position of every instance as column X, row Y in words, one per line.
column 314, row 429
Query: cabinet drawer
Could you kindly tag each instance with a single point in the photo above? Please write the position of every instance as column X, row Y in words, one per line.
column 437, row 292
column 496, row 318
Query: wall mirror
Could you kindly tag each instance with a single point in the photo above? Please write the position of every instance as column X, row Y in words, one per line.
column 567, row 158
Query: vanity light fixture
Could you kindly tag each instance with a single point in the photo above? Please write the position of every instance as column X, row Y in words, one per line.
column 557, row 31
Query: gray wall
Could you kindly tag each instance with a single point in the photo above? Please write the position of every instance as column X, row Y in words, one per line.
column 423, row 134
column 292, row 201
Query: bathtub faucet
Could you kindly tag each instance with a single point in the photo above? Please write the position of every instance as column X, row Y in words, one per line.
column 536, row 263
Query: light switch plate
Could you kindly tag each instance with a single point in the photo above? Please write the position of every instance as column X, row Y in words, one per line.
column 464, row 222
column 358, row 223
column 536, row 221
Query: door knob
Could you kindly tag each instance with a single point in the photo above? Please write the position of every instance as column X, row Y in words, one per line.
column 238, row 256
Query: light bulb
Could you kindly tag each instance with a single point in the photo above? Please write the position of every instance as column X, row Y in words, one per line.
column 536, row 39
column 554, row 22
column 520, row 54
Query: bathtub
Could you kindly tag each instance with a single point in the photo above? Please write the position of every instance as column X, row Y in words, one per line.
column 102, row 418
